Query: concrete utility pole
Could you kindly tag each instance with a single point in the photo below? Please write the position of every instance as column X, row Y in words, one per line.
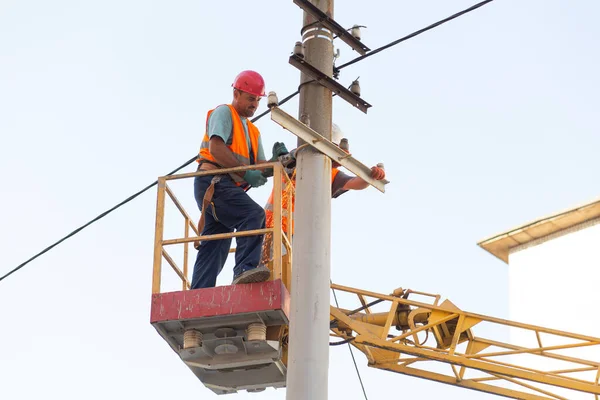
column 308, row 361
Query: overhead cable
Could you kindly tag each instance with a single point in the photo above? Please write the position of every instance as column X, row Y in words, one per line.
column 349, row 348
column 357, row 59
column 127, row 200
column 412, row 35
column 104, row 214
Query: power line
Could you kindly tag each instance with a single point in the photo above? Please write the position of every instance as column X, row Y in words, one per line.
column 341, row 342
column 104, row 214
column 357, row 59
column 412, row 35
column 349, row 348
column 127, row 200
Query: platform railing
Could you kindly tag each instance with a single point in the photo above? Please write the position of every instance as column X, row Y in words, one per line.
column 280, row 265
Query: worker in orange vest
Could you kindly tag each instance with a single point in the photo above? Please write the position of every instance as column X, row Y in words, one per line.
column 231, row 140
column 340, row 184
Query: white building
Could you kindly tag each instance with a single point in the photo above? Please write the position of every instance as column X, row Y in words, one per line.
column 554, row 281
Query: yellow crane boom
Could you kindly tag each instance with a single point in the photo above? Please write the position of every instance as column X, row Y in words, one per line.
column 436, row 341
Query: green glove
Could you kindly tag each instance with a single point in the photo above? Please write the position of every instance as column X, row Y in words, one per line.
column 255, row 178
column 279, row 149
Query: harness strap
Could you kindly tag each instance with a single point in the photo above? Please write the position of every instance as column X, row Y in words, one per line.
column 208, row 195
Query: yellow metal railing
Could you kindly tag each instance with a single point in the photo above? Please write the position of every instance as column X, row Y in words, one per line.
column 280, row 265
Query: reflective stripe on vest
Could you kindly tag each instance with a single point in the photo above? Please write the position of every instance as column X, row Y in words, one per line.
column 239, row 143
column 270, row 223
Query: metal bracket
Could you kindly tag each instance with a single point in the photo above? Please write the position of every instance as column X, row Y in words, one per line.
column 326, row 147
column 330, row 24
column 329, row 83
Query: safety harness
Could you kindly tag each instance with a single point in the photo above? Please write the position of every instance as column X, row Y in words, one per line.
column 207, row 199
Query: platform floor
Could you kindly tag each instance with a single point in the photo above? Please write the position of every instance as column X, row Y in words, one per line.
column 222, row 315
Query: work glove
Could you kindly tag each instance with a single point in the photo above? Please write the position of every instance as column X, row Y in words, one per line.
column 377, row 173
column 279, row 149
column 255, row 178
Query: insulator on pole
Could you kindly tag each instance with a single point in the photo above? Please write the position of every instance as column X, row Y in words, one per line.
column 272, row 100
column 355, row 87
column 344, row 145
column 336, row 54
column 299, row 49
column 355, row 31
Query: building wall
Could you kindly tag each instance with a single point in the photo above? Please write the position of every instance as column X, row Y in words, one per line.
column 554, row 282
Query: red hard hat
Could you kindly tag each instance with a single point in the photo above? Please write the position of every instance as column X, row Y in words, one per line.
column 250, row 82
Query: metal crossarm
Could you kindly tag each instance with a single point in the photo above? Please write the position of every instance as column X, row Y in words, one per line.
column 326, row 147
column 330, row 24
column 329, row 83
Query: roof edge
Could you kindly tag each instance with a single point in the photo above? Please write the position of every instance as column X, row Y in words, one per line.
column 500, row 244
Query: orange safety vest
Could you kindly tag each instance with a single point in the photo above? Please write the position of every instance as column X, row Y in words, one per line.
column 270, row 222
column 239, row 144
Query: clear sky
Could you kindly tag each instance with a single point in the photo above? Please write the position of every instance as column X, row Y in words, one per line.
column 484, row 123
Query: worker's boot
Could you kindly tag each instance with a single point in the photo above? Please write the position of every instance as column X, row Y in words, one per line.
column 258, row 274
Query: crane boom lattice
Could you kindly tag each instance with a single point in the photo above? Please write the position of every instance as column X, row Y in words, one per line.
column 436, row 341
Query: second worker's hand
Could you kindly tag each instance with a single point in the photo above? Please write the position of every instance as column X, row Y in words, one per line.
column 279, row 149
column 377, row 173
column 255, row 178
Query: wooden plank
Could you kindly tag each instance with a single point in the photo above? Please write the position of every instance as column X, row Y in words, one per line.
column 541, row 230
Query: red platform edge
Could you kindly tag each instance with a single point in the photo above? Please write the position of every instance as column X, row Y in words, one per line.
column 221, row 300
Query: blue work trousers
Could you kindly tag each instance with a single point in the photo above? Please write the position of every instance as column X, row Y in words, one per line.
column 231, row 209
